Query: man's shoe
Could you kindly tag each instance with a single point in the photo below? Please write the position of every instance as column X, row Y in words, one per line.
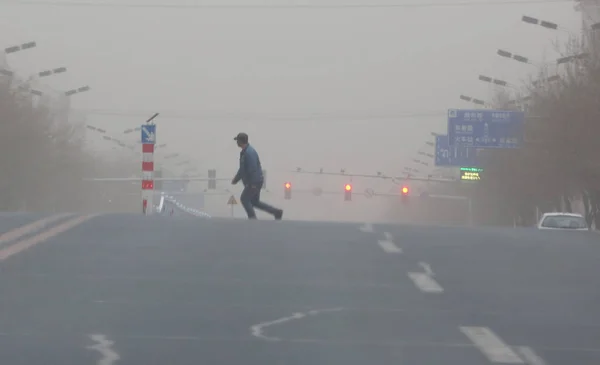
column 279, row 214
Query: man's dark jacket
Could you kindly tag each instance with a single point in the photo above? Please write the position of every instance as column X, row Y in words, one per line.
column 250, row 171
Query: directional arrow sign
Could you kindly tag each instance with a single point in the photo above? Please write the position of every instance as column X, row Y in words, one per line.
column 148, row 133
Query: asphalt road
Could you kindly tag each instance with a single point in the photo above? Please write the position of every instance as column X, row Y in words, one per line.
column 126, row 289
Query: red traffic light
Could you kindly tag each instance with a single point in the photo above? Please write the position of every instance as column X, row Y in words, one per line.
column 348, row 187
column 404, row 190
column 288, row 185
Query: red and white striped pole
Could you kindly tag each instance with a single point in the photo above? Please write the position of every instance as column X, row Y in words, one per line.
column 147, row 177
column 148, row 140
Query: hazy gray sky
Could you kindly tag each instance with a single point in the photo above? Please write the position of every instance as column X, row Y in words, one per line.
column 360, row 88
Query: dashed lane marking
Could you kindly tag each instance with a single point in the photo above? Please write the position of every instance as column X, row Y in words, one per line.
column 104, row 347
column 530, row 356
column 491, row 345
column 367, row 227
column 427, row 268
column 22, row 245
column 388, row 244
column 425, row 283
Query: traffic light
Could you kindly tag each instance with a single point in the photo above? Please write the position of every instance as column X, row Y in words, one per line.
column 287, row 190
column 348, row 192
column 404, row 194
column 212, row 179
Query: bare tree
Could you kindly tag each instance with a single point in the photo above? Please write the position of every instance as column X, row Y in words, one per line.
column 43, row 159
column 560, row 159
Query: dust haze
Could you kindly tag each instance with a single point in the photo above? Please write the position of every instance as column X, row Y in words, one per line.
column 323, row 86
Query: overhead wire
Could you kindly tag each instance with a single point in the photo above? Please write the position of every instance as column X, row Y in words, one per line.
column 267, row 117
column 421, row 4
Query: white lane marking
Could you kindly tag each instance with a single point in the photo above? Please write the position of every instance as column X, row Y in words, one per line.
column 389, row 247
column 104, row 347
column 258, row 329
column 427, row 268
column 388, row 244
column 425, row 283
column 530, row 356
column 367, row 227
column 491, row 345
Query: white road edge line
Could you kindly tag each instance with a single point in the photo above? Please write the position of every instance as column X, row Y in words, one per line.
column 425, row 283
column 530, row 356
column 427, row 268
column 491, row 345
column 258, row 329
column 104, row 347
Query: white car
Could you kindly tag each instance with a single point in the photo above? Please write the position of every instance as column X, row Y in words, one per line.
column 563, row 221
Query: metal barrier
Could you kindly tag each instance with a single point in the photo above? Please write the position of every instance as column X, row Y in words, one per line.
column 168, row 205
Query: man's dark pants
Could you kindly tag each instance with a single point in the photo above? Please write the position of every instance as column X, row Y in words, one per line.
column 250, row 199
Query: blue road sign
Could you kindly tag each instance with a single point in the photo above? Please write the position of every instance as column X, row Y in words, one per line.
column 485, row 128
column 148, row 133
column 455, row 156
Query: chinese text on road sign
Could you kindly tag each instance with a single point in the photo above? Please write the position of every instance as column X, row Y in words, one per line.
column 470, row 173
column 485, row 128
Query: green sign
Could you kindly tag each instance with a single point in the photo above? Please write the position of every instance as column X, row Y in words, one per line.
column 471, row 173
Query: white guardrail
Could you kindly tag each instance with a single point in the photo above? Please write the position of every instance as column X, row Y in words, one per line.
column 168, row 205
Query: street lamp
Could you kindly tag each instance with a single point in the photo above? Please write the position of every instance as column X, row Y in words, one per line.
column 131, row 130
column 77, row 91
column 516, row 57
column 472, row 100
column 53, row 71
column 21, row 47
column 95, row 129
column 546, row 80
column 493, row 81
column 541, row 23
column 572, row 58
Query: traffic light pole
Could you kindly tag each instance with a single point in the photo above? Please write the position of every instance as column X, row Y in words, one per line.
column 384, row 177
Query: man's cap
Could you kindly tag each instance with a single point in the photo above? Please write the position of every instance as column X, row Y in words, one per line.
column 242, row 137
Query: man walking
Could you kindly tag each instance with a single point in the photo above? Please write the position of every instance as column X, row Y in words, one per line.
column 250, row 172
